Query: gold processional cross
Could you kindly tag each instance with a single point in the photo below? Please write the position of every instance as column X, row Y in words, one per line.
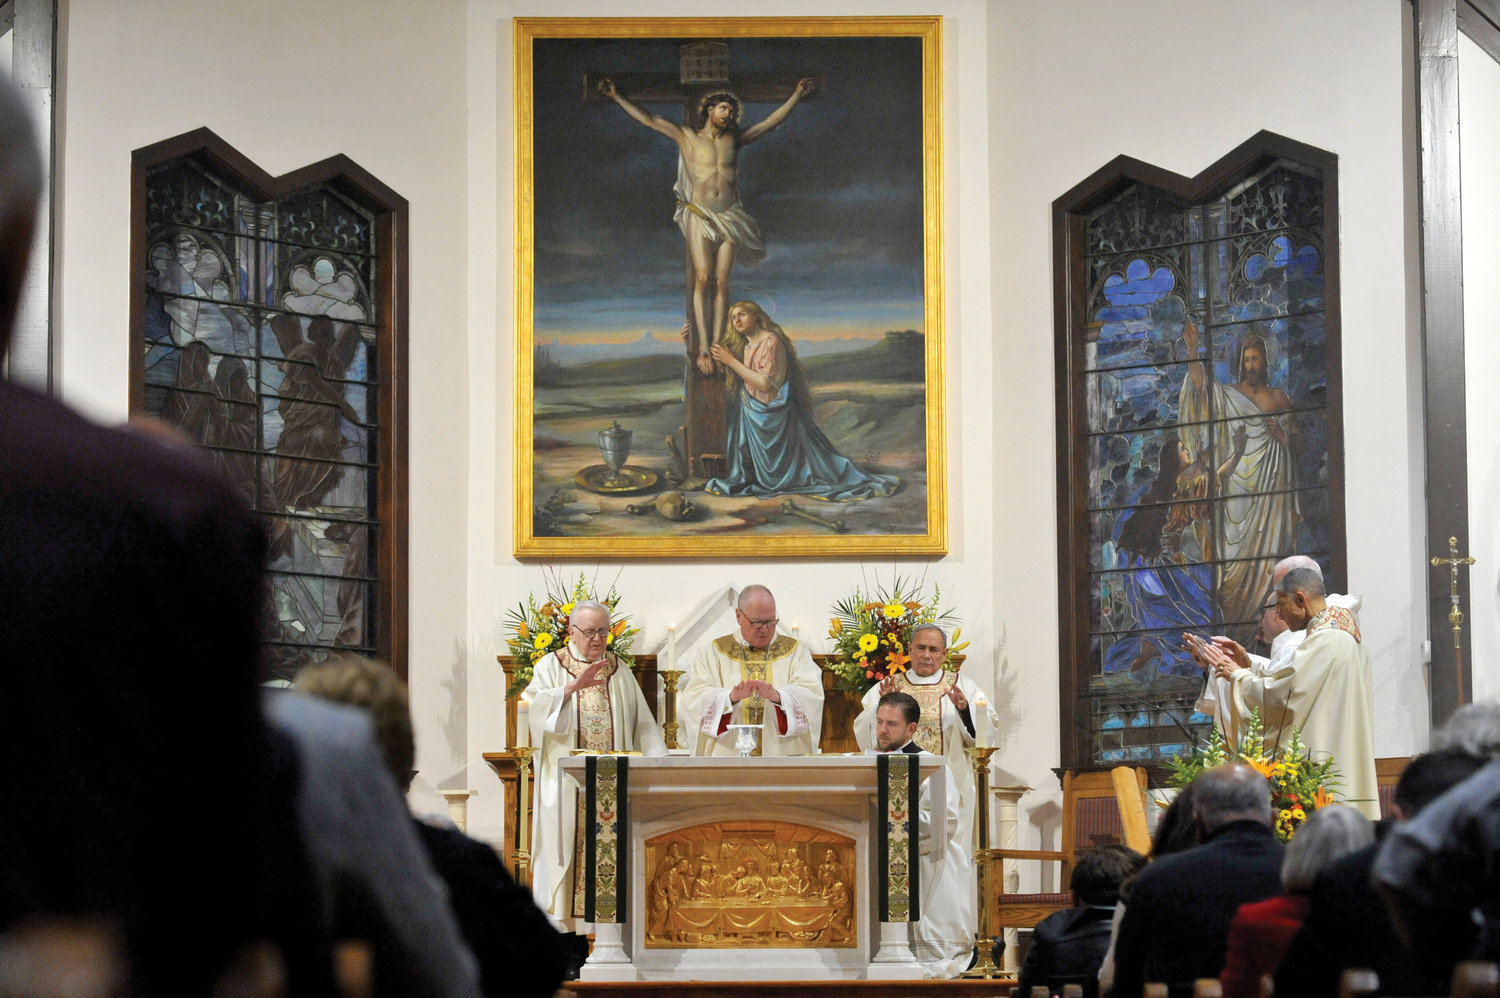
column 1455, row 615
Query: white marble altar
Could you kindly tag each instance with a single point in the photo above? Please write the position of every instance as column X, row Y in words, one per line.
column 687, row 797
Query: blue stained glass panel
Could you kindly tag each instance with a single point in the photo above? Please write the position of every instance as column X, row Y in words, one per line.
column 1205, row 463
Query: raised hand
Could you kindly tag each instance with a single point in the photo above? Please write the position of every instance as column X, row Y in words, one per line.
column 1233, row 649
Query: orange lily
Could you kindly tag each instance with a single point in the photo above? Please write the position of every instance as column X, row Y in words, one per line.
column 1262, row 766
column 1322, row 798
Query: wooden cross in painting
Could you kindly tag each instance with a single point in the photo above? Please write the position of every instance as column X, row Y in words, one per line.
column 717, row 230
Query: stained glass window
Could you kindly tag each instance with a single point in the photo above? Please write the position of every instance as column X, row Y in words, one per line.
column 1201, row 433
column 261, row 334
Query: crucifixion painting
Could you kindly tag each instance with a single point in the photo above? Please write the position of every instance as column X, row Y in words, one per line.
column 740, row 314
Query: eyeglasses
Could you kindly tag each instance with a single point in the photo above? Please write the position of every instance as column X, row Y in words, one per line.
column 592, row 632
column 759, row 623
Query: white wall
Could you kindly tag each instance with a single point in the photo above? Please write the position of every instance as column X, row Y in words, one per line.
column 1037, row 96
column 381, row 81
column 1479, row 125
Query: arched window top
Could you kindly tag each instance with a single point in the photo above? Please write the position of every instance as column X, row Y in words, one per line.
column 1199, row 426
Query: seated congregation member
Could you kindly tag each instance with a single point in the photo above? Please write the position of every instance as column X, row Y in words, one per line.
column 1347, row 923
column 581, row 698
column 1261, row 932
column 1067, row 947
column 518, row 950
column 1438, row 872
column 754, row 677
column 1176, row 831
column 369, row 871
column 132, row 579
column 1473, row 729
column 1178, row 912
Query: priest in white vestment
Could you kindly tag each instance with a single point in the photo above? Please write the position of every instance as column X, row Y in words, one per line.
column 754, row 677
column 944, row 938
column 581, row 697
column 1281, row 641
column 1324, row 689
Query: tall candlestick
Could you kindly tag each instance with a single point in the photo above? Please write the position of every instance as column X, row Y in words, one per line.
column 672, row 646
column 523, row 724
column 796, row 633
column 981, row 722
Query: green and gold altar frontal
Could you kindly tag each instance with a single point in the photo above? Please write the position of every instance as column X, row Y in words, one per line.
column 689, row 860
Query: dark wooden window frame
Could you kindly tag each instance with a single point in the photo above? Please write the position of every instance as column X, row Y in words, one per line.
column 1070, row 319
column 390, row 209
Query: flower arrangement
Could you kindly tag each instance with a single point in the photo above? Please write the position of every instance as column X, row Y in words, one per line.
column 1299, row 786
column 871, row 633
column 542, row 628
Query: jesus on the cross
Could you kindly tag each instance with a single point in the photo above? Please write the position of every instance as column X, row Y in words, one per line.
column 718, row 230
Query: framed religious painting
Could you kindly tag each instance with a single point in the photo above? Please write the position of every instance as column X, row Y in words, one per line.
column 1200, row 431
column 728, row 320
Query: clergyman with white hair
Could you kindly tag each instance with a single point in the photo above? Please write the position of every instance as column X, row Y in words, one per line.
column 1324, row 690
column 581, row 697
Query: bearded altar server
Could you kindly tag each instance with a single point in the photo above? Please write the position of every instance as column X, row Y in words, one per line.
column 951, row 708
column 754, row 677
column 580, row 697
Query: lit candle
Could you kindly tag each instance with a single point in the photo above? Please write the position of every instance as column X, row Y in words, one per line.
column 523, row 723
column 796, row 633
column 981, row 722
column 672, row 646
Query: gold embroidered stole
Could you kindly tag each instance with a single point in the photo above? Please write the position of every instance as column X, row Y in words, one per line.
column 596, row 733
column 1337, row 618
column 593, row 713
column 929, row 734
column 755, row 665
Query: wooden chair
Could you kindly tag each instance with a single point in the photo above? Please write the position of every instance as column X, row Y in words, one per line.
column 1387, row 773
column 1130, row 797
column 1090, row 816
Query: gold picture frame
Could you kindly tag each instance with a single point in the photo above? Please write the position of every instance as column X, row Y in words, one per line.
column 634, row 435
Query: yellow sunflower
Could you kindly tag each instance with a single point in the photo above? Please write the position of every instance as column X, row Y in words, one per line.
column 868, row 642
column 893, row 610
column 543, row 641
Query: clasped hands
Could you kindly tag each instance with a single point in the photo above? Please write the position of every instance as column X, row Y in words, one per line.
column 1224, row 656
column 753, row 687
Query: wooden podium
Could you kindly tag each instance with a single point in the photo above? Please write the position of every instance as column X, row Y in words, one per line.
column 755, row 869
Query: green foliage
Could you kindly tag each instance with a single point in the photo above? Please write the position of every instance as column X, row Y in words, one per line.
column 1299, row 785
